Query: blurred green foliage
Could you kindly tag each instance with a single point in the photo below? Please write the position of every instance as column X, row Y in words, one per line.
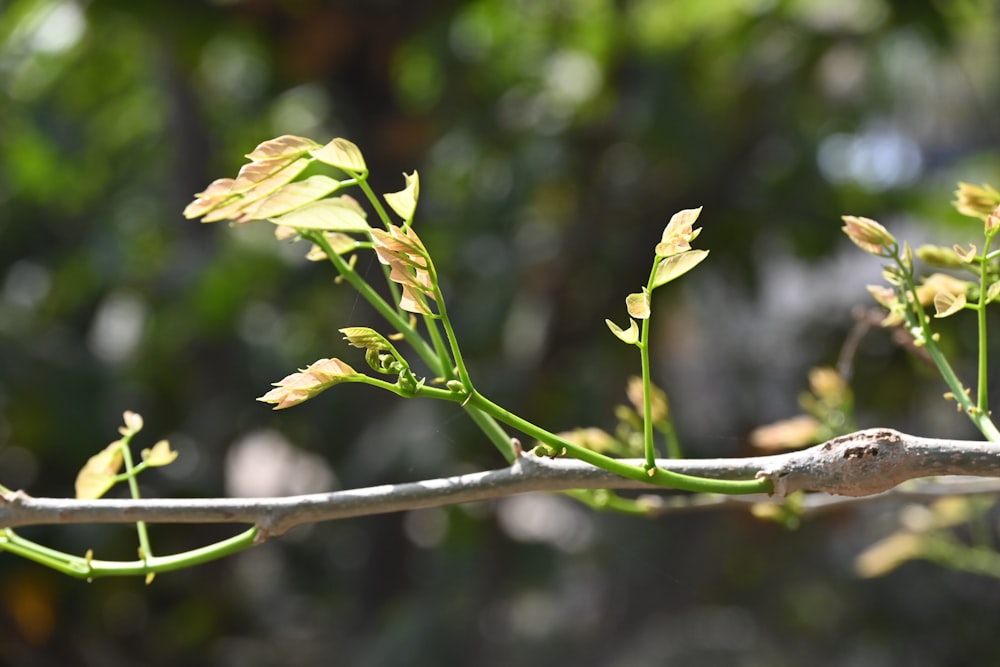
column 553, row 139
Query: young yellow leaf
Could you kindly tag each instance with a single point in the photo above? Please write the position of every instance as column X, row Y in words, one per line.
column 291, row 197
column 868, row 235
column 965, row 255
column 404, row 202
column 256, row 181
column 675, row 266
column 308, row 382
column 678, row 234
column 342, row 154
column 341, row 243
column 285, row 146
column 947, row 303
column 993, row 292
column 159, row 455
column 133, row 423
column 975, row 201
column 98, row 474
column 637, row 304
column 340, row 214
column 629, row 336
column 217, row 192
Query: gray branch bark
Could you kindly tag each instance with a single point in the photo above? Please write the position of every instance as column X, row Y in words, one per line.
column 862, row 464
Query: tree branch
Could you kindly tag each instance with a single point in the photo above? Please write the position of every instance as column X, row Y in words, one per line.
column 864, row 463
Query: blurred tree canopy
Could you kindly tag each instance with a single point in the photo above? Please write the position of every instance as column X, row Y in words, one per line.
column 554, row 138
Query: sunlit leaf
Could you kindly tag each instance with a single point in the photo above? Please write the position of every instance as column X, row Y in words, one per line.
column 340, row 214
column 159, row 454
column 629, row 336
column 965, row 255
column 133, row 423
column 993, row 292
column 255, row 190
column 292, row 196
column 341, row 154
column 308, row 382
column 946, row 303
column 678, row 234
column 637, row 304
column 404, row 202
column 675, row 266
column 98, row 474
column 282, row 147
column 217, row 192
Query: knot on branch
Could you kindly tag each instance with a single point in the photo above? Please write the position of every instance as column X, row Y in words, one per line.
column 860, row 464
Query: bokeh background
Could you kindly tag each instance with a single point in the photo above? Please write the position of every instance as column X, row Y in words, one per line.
column 554, row 139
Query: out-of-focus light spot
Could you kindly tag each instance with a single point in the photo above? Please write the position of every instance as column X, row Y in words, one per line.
column 26, row 284
column 546, row 519
column 57, row 28
column 571, row 78
column 841, row 71
column 426, row 528
column 233, row 68
column 878, row 159
column 301, row 110
column 265, row 463
column 118, row 327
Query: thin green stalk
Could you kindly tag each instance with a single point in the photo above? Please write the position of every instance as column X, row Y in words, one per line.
column 375, row 201
column 88, row 568
column 430, row 356
column 655, row 476
column 391, row 315
column 979, row 417
column 982, row 395
column 647, row 402
column 446, row 370
column 145, row 550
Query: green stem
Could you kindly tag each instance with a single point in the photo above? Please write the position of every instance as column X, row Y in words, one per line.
column 88, row 568
column 387, row 311
column 447, row 368
column 431, row 357
column 978, row 417
column 133, row 486
column 647, row 402
column 982, row 395
column 656, row 476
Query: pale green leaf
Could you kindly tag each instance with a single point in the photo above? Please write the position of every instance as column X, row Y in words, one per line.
column 638, row 304
column 341, row 214
column 365, row 338
column 98, row 474
column 404, row 202
column 291, row 197
column 159, row 454
column 284, row 146
column 675, row 266
column 342, row 154
column 629, row 336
